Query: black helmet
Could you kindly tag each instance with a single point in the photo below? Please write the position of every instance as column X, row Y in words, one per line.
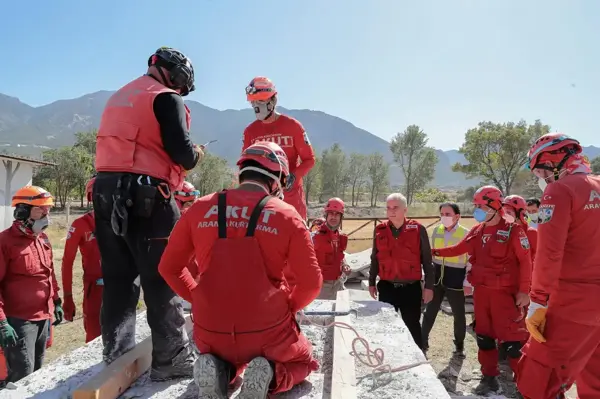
column 181, row 71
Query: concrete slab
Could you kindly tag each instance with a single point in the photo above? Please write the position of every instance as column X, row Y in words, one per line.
column 382, row 327
column 59, row 379
column 359, row 261
column 343, row 378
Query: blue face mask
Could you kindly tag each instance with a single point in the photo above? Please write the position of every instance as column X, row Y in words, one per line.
column 480, row 215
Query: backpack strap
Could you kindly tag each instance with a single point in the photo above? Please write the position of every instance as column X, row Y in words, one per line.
column 222, row 214
column 256, row 214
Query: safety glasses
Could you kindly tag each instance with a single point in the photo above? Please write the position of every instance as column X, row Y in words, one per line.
column 251, row 89
column 262, row 153
column 186, row 194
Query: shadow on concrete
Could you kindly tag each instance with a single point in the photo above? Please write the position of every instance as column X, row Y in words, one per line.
column 450, row 374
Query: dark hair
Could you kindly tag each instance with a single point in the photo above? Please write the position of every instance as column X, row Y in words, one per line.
column 254, row 175
column 533, row 201
column 452, row 205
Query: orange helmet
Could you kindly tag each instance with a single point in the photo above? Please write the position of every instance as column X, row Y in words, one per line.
column 552, row 147
column 490, row 196
column 334, row 205
column 519, row 204
column 89, row 187
column 260, row 89
column 187, row 193
column 32, row 195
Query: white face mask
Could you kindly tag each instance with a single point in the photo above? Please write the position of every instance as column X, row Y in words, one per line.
column 509, row 218
column 533, row 217
column 40, row 225
column 447, row 221
column 263, row 109
column 542, row 183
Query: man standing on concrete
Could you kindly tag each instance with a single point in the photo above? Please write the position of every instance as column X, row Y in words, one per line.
column 143, row 151
column 330, row 244
column 450, row 277
column 401, row 255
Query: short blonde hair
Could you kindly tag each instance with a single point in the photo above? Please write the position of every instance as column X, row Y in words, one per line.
column 397, row 197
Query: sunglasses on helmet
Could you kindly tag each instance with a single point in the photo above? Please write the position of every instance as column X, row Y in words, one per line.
column 186, row 194
column 270, row 155
column 251, row 89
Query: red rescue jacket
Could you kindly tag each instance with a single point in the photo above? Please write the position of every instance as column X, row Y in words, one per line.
column 399, row 259
column 81, row 237
column 129, row 137
column 329, row 247
column 281, row 237
column 28, row 286
column 500, row 256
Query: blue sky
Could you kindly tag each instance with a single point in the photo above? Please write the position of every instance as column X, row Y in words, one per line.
column 381, row 64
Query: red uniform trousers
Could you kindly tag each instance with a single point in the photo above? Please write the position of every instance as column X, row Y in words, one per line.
column 92, row 302
column 284, row 345
column 570, row 354
column 296, row 198
column 498, row 319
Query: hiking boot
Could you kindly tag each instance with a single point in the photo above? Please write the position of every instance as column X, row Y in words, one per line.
column 487, row 385
column 182, row 366
column 211, row 374
column 459, row 350
column 257, row 379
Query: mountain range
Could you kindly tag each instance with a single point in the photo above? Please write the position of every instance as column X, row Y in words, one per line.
column 29, row 130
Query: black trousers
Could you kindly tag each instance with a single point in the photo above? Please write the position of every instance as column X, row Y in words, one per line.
column 28, row 355
column 407, row 299
column 456, row 299
column 124, row 258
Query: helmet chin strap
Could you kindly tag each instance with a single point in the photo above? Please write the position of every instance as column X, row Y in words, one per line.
column 279, row 191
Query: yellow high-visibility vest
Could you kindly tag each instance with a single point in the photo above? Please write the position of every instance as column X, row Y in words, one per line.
column 439, row 241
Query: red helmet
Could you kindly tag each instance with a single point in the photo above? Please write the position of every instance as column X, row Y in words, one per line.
column 269, row 155
column 260, row 89
column 187, row 193
column 334, row 205
column 519, row 204
column 552, row 147
column 89, row 186
column 490, row 196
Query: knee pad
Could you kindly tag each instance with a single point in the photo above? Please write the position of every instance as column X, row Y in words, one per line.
column 513, row 349
column 485, row 343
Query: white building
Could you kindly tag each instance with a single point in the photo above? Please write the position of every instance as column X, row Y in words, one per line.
column 15, row 172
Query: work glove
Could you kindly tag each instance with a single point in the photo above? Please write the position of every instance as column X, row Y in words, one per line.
column 59, row 313
column 289, row 182
column 536, row 321
column 8, row 335
column 69, row 308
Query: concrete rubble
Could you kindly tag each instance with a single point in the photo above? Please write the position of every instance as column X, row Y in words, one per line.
column 359, row 263
column 376, row 322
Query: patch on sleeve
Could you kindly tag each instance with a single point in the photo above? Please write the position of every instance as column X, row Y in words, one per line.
column 70, row 231
column 306, row 140
column 545, row 213
column 524, row 242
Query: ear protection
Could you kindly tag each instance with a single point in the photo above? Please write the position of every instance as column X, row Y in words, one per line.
column 22, row 212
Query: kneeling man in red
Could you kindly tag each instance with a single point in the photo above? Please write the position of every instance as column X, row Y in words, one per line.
column 243, row 308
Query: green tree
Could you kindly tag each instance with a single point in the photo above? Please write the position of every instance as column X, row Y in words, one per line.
column 356, row 175
column 71, row 170
column 333, row 171
column 431, row 195
column 378, row 171
column 596, row 165
column 415, row 158
column 211, row 174
column 312, row 181
column 496, row 152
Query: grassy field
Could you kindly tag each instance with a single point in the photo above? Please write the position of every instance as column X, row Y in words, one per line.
column 459, row 377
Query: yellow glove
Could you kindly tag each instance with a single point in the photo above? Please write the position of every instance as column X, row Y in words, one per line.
column 536, row 321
